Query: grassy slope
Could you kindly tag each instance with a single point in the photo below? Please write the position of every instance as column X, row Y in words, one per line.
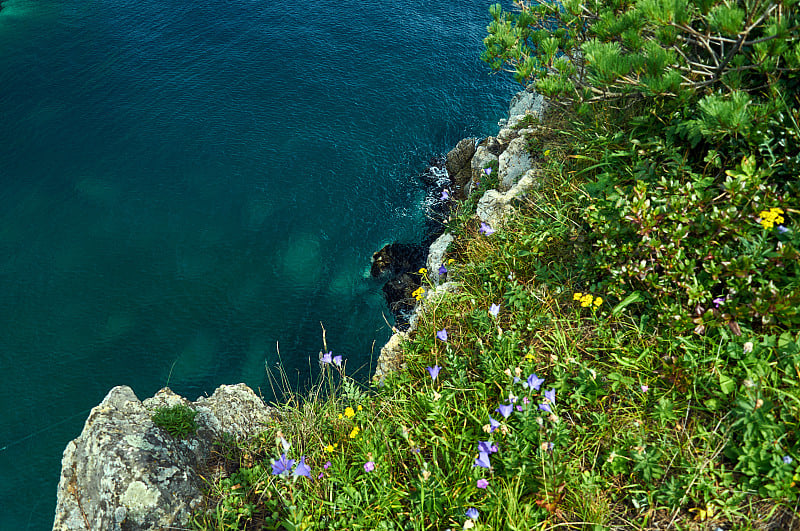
column 631, row 427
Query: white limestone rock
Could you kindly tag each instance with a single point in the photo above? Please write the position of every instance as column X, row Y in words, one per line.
column 526, row 102
column 391, row 357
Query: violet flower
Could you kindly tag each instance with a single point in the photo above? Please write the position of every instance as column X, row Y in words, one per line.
column 550, row 395
column 442, row 334
column 434, row 371
column 302, row 469
column 282, row 465
column 505, row 410
column 482, row 460
column 486, row 229
column 534, row 382
column 487, row 447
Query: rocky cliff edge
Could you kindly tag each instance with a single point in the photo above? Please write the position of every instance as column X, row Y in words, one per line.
column 125, row 473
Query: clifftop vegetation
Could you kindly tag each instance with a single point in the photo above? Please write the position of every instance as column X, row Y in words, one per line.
column 622, row 353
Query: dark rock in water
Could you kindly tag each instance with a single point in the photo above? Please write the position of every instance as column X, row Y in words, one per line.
column 398, row 292
column 397, row 258
column 459, row 166
column 401, row 261
column 445, row 179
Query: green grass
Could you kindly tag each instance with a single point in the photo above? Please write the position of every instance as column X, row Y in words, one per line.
column 651, row 427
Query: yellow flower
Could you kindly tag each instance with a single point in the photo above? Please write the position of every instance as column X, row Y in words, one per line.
column 349, row 413
column 586, row 300
column 577, row 296
column 359, row 408
column 768, row 218
column 597, row 302
column 450, row 261
column 546, row 152
column 422, row 271
column 340, row 416
column 354, row 432
column 329, row 448
column 529, row 356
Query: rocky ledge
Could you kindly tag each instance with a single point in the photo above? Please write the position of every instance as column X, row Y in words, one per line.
column 454, row 178
column 517, row 173
column 124, row 473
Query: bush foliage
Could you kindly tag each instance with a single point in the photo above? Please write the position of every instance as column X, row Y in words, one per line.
column 691, row 197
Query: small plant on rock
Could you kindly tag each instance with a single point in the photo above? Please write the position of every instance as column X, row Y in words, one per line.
column 177, row 420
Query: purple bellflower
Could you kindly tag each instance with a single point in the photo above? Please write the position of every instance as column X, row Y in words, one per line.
column 302, row 469
column 505, row 410
column 282, row 465
column 482, row 460
column 486, row 229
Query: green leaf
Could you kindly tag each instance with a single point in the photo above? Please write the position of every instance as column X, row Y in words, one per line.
column 634, row 297
column 726, row 383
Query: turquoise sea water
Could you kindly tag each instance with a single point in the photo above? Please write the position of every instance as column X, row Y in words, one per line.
column 189, row 189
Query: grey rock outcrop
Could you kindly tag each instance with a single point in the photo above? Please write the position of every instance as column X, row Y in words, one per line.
column 482, row 158
column 495, row 206
column 526, row 102
column 391, row 357
column 436, row 256
column 514, row 162
column 458, row 166
column 125, row 473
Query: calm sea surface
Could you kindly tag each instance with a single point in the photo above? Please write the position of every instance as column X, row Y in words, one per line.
column 190, row 189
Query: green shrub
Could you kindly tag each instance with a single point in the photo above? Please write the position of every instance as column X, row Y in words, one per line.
column 616, row 49
column 692, row 200
column 706, row 250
